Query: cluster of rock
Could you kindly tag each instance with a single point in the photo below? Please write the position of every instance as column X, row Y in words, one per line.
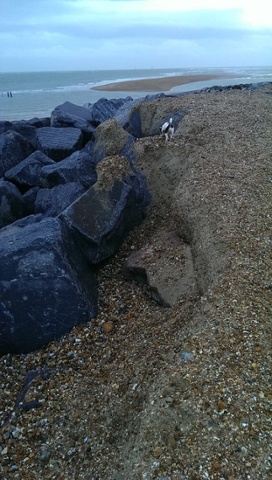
column 70, row 192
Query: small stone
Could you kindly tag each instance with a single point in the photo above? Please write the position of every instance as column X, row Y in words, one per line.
column 44, row 455
column 171, row 443
column 71, row 451
column 4, row 451
column 254, row 434
column 216, row 465
column 42, row 422
column 16, row 432
column 13, row 468
column 108, row 327
column 257, row 349
column 254, row 365
column 221, row 406
column 157, row 451
column 186, row 356
column 76, row 415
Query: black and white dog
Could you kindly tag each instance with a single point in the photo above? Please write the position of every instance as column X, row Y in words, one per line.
column 167, row 129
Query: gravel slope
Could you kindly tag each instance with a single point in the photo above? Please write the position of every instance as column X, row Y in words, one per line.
column 147, row 392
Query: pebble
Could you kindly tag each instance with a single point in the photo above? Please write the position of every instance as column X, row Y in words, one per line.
column 44, row 455
column 216, row 465
column 71, row 451
column 108, row 327
column 15, row 432
column 221, row 405
column 186, row 356
column 13, row 468
column 157, row 451
column 42, row 422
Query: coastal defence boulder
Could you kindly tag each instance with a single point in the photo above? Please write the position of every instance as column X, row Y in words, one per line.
column 52, row 201
column 101, row 218
column 46, row 286
column 70, row 115
column 12, row 203
column 104, row 109
column 13, row 149
column 59, row 143
column 27, row 173
column 78, row 167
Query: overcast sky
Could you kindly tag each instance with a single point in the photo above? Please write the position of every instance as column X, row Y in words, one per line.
column 38, row 35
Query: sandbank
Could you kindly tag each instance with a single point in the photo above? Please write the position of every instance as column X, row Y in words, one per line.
column 156, row 84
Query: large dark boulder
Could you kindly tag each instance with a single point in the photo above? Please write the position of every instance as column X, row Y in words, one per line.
column 30, row 199
column 46, row 286
column 123, row 114
column 101, row 219
column 39, row 122
column 53, row 201
column 105, row 108
column 13, row 149
column 12, row 204
column 78, row 167
column 27, row 173
column 59, row 143
column 25, row 130
column 5, row 126
column 70, row 115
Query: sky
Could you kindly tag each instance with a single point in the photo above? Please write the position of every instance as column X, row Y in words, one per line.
column 48, row 35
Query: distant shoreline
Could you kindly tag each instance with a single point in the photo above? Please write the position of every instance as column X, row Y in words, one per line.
column 156, row 84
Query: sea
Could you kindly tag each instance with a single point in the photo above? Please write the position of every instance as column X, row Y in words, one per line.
column 27, row 95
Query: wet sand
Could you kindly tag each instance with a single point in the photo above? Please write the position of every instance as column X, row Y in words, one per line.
column 156, row 84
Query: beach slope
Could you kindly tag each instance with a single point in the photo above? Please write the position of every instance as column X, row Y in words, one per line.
column 148, row 392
